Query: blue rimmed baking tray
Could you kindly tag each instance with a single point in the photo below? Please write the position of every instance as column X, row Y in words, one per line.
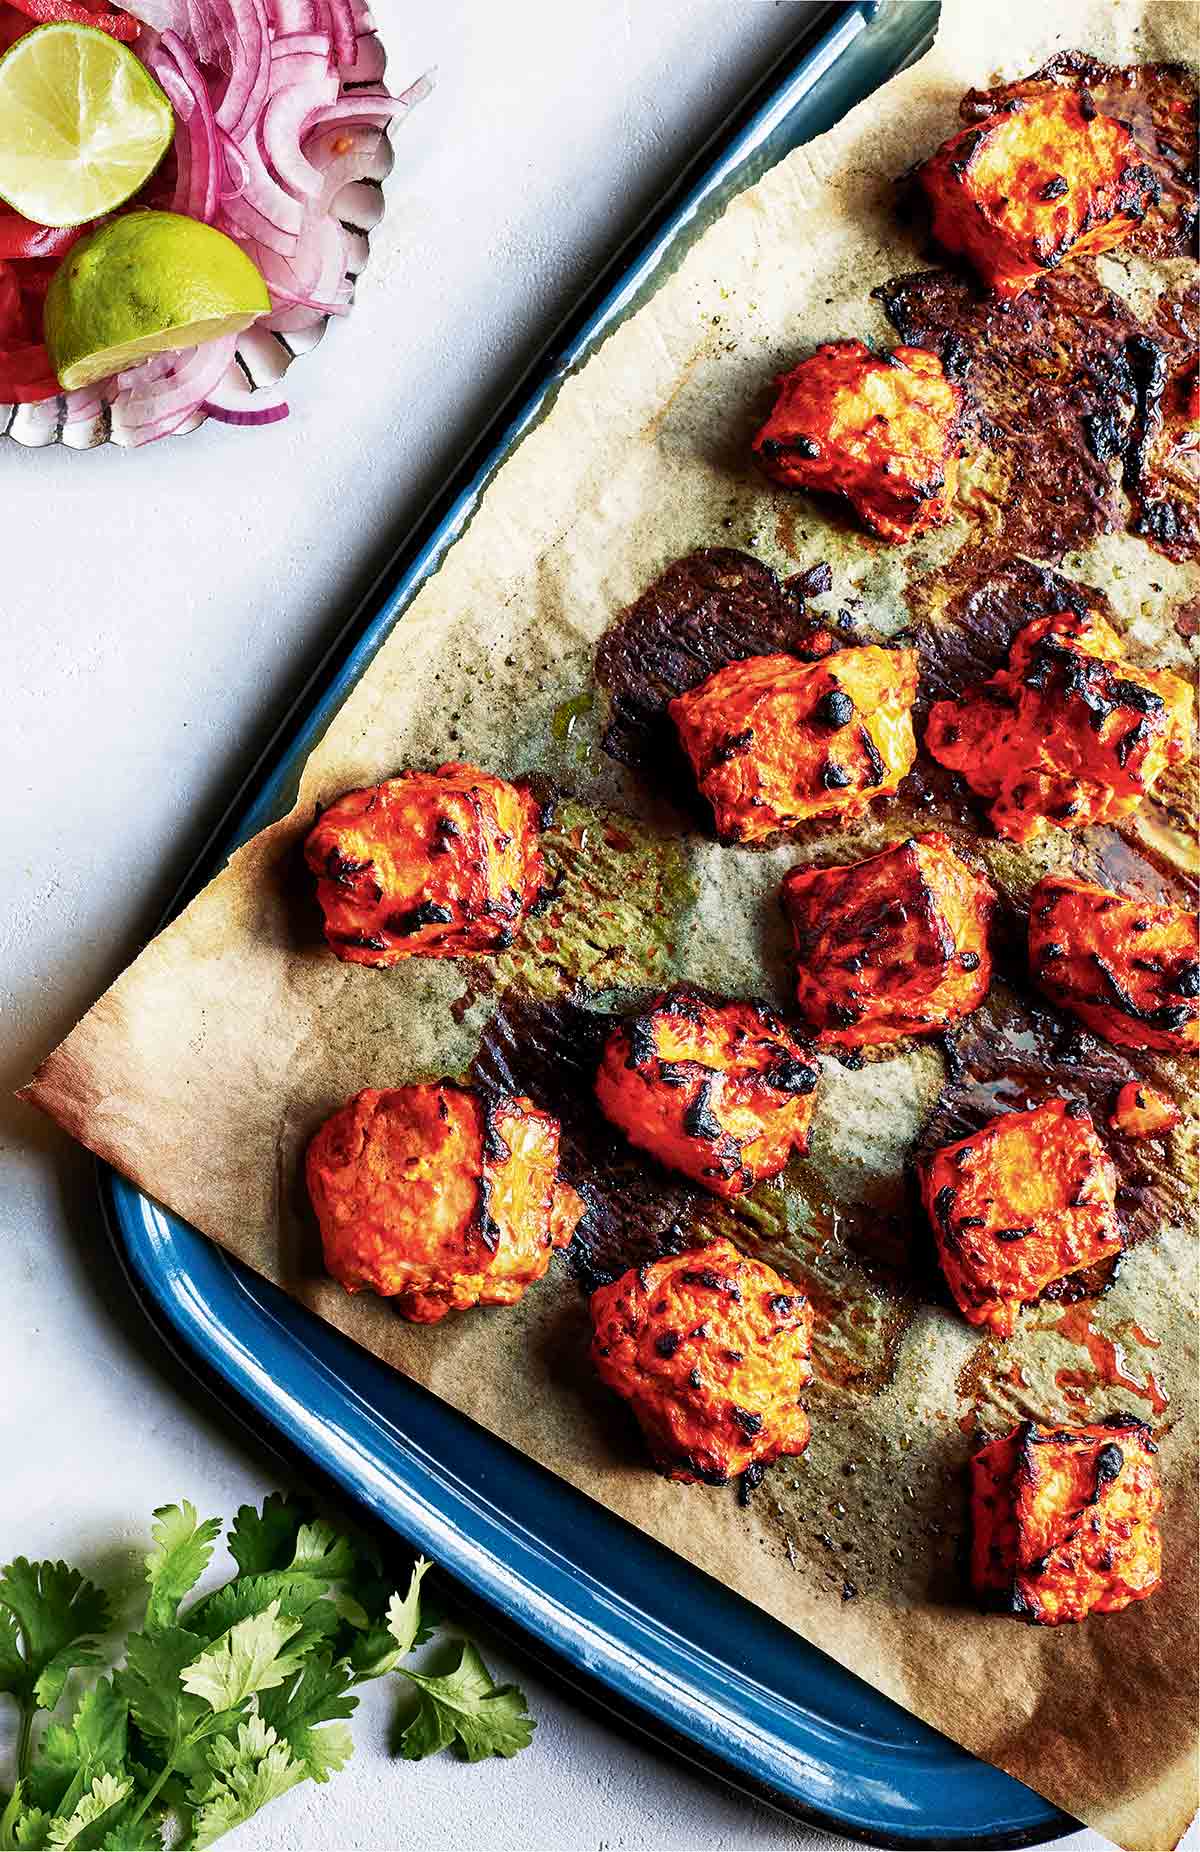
column 695, row 1665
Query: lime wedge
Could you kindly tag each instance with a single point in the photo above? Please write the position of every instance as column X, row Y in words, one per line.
column 82, row 124
column 142, row 284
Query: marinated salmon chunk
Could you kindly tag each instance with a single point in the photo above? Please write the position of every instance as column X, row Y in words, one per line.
column 1129, row 969
column 881, row 429
column 432, row 864
column 1046, row 179
column 1070, row 733
column 1140, row 1111
column 1065, row 1520
column 711, row 1351
column 893, row 946
column 774, row 740
column 1022, row 1202
column 719, row 1091
column 439, row 1196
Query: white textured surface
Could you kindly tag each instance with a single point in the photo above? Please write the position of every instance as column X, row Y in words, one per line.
column 159, row 609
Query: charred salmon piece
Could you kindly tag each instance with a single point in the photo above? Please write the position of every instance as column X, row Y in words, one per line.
column 774, row 741
column 439, row 1196
column 428, row 864
column 1026, row 1200
column 893, row 946
column 1047, row 179
column 883, row 430
column 1129, row 969
column 719, row 1091
column 1070, row 733
column 711, row 1350
column 1140, row 1111
column 1065, row 1520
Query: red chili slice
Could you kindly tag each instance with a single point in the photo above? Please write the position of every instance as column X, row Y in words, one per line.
column 21, row 238
column 120, row 25
column 26, row 375
column 11, row 311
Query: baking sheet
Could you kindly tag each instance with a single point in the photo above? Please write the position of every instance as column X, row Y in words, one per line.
column 204, row 1070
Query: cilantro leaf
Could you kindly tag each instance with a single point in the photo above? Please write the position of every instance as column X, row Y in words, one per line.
column 32, row 1830
column 249, row 1658
column 245, row 1775
column 327, row 1751
column 372, row 1653
column 10, row 1810
column 285, row 1557
column 181, row 1553
column 131, row 1834
column 173, row 1723
column 299, row 1598
column 319, row 1696
column 149, row 1683
column 349, row 1608
column 378, row 1648
column 266, row 1540
column 404, row 1617
column 431, row 1730
column 10, row 1813
column 100, row 1725
column 12, row 1664
column 55, row 1768
column 57, row 1612
column 487, row 1719
column 72, row 1756
column 92, row 1817
column 322, row 1551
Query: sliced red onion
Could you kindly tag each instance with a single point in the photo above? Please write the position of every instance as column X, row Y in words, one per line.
column 241, row 220
column 204, row 33
column 290, row 298
column 184, row 105
column 285, row 119
column 293, row 44
column 271, row 202
column 250, row 77
column 197, row 185
column 369, row 62
column 203, row 25
column 301, row 69
column 162, row 15
column 235, row 165
column 315, row 279
column 365, row 106
column 294, row 16
column 264, row 414
column 311, row 283
column 343, row 155
column 162, row 393
column 87, row 401
column 343, row 29
column 182, row 150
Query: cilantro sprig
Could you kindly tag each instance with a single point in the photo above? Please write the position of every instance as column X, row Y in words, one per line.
column 223, row 1700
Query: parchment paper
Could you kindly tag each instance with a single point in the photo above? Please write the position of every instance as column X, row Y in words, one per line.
column 207, row 1065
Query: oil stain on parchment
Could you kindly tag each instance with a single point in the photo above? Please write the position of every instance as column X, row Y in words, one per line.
column 617, row 898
